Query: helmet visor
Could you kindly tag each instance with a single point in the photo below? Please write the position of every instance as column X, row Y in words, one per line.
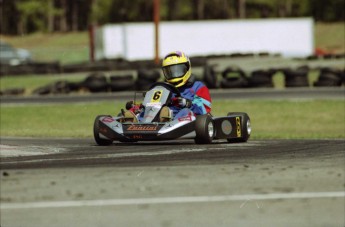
column 175, row 71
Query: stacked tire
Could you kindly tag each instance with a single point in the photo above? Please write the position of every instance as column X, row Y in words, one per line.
column 233, row 78
column 121, row 83
column 330, row 78
column 210, row 76
column 296, row 77
column 59, row 87
column 261, row 79
column 146, row 78
column 96, row 82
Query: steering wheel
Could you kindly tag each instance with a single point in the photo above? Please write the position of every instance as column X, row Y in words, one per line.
column 168, row 86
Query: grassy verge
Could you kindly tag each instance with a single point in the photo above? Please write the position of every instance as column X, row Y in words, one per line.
column 270, row 119
column 66, row 48
column 330, row 36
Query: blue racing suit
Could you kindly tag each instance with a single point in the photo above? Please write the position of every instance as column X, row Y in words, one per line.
column 200, row 97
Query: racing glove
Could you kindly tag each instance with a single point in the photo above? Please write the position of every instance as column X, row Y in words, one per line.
column 134, row 108
column 181, row 102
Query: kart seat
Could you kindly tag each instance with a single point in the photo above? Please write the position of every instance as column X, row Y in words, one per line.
column 129, row 116
column 165, row 114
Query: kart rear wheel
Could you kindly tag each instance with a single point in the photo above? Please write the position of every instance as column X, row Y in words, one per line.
column 204, row 129
column 245, row 128
column 100, row 141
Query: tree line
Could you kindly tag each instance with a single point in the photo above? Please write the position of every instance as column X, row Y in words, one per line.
column 20, row 17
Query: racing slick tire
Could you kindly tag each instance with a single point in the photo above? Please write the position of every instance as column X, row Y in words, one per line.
column 204, row 129
column 329, row 78
column 245, row 128
column 121, row 83
column 100, row 141
column 297, row 77
column 96, row 82
column 261, row 78
column 149, row 75
column 210, row 76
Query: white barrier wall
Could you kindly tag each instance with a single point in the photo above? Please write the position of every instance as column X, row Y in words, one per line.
column 135, row 41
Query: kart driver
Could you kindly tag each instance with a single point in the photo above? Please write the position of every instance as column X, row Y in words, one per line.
column 195, row 97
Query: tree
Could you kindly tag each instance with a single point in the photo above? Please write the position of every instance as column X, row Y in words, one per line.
column 27, row 16
column 31, row 13
column 8, row 7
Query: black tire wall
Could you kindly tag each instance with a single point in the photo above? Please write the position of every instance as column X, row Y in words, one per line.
column 233, row 78
column 146, row 78
column 296, row 77
column 330, row 78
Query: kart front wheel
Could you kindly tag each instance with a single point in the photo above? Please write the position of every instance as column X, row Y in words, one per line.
column 204, row 129
column 96, row 128
column 244, row 127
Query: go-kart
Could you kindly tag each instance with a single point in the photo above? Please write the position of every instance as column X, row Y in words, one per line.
column 235, row 127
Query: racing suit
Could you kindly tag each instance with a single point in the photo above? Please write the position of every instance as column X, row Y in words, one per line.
column 198, row 97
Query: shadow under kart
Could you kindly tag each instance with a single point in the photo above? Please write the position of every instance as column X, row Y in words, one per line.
column 235, row 127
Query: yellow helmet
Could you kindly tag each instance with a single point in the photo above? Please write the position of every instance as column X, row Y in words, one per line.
column 176, row 68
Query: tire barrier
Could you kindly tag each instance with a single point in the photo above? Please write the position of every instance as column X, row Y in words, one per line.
column 210, row 76
column 45, row 90
column 233, row 78
column 99, row 82
column 12, row 92
column 59, row 87
column 121, row 83
column 261, row 78
column 326, row 56
column 330, row 78
column 146, row 78
column 96, row 82
column 297, row 77
column 74, row 86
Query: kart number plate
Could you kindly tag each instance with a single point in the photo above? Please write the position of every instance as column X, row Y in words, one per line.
column 156, row 97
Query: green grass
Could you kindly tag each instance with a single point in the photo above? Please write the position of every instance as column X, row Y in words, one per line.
column 291, row 119
column 63, row 47
column 283, row 119
column 62, row 120
column 330, row 36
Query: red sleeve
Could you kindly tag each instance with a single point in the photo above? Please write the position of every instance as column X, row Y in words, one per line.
column 204, row 93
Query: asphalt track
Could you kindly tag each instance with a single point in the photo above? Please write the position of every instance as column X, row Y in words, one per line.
column 65, row 182
column 73, row 182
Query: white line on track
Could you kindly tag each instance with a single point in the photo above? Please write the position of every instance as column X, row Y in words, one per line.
column 171, row 200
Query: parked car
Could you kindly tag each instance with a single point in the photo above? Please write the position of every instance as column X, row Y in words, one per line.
column 13, row 56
